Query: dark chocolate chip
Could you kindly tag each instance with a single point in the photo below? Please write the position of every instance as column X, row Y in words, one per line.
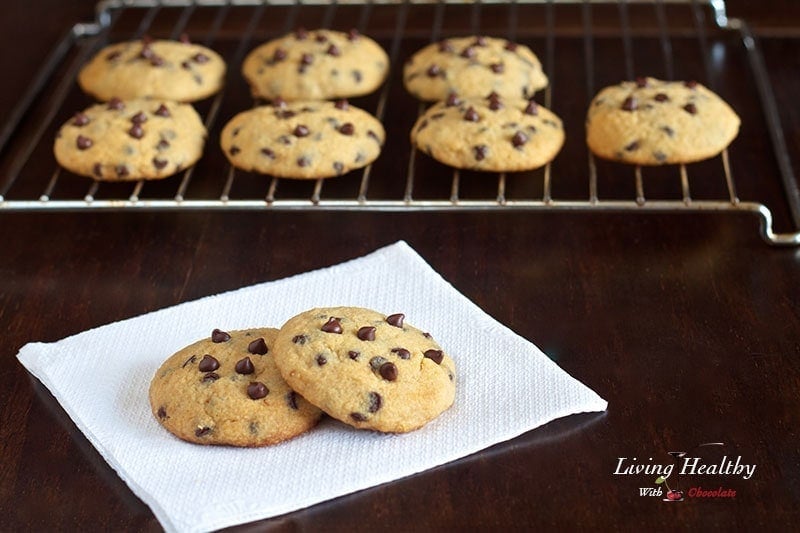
column 162, row 111
column 97, row 170
column 480, row 151
column 186, row 65
column 495, row 104
column 374, row 136
column 83, row 143
column 375, row 402
column 257, row 390
column 338, row 166
column 321, row 359
column 691, row 84
column 402, row 353
column 80, row 119
column 291, row 400
column 113, row 55
column 468, row 52
column 192, row 359
column 388, row 371
column 136, row 131
column 452, row 100
column 303, row 161
column 267, row 152
column 353, row 35
column 306, row 59
column 234, row 150
column 422, row 125
column 434, row 355
column 641, row 82
column 146, row 52
column 162, row 412
column 471, row 115
column 660, row 156
column 445, row 46
column 279, row 55
column 116, row 104
column 497, row 68
column 690, row 108
column 333, row 325
column 396, row 320
column 357, row 76
column 156, row 61
column 376, row 362
column 519, row 139
column 661, row 97
column 139, row 118
column 354, row 355
column 480, row 41
column 366, row 333
column 160, row 164
column 669, row 131
column 632, row 147
column 347, row 129
column 162, row 145
column 342, row 104
column 433, row 71
column 510, row 46
column 210, row 377
column 301, row 131
column 321, row 38
column 358, row 417
column 279, row 102
column 202, row 431
column 333, row 50
column 208, row 363
column 300, row 339
column 244, row 366
column 122, row 171
column 220, row 336
column 258, row 346
column 301, row 34
column 630, row 104
column 284, row 113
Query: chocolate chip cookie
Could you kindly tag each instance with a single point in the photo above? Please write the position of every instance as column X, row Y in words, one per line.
column 366, row 369
column 131, row 140
column 316, row 65
column 226, row 389
column 654, row 122
column 473, row 66
column 302, row 139
column 491, row 134
column 173, row 70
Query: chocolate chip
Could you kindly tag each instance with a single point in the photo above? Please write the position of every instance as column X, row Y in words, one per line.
column 511, row 47
column 471, row 115
column 80, row 119
column 301, row 34
column 97, row 170
column 497, row 68
column 122, row 171
column 267, row 152
column 396, row 320
column 347, row 129
column 245, row 366
column 468, row 52
column 630, row 104
column 202, row 431
column 374, row 136
column 402, row 353
column 358, row 417
column 434, row 71
column 691, row 84
column 159, row 163
column 306, row 59
column 375, row 402
column 519, row 139
column 184, row 38
column 669, row 131
column 303, row 161
column 321, row 359
column 301, row 131
column 434, row 355
column 641, row 82
column 210, row 377
column 208, row 363
column 116, row 104
column 192, row 359
column 284, row 113
column 321, row 38
column 113, row 55
column 300, row 339
column 333, row 325
column 146, row 52
column 84, row 143
column 480, row 151
column 136, row 131
column 257, row 390
column 162, row 145
column 338, row 166
column 186, row 65
column 445, row 46
column 291, row 400
column 495, row 104
column 162, row 111
column 162, row 412
column 388, row 371
column 279, row 55
column 234, row 150
column 480, row 41
column 690, row 108
column 220, row 336
column 632, row 146
column 156, row 61
column 342, row 104
column 367, row 333
column 279, row 102
column 333, row 50
column 376, row 362
column 452, row 100
column 353, row 35
column 354, row 355
column 258, row 346
column 661, row 97
column 139, row 118
column 660, row 156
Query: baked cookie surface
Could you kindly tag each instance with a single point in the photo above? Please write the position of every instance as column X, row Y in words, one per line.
column 490, row 134
column 316, row 65
column 473, row 66
column 172, row 70
column 131, row 140
column 654, row 122
column 302, row 139
column 227, row 390
column 366, row 369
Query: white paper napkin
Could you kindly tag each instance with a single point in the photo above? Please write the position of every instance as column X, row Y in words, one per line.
column 505, row 387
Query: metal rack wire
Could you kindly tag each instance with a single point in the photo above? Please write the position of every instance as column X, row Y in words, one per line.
column 54, row 86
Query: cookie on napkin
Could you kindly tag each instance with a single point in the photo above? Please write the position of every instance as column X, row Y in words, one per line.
column 226, row 389
column 366, row 369
column 491, row 134
column 654, row 122
column 131, row 140
column 316, row 65
column 473, row 66
column 173, row 70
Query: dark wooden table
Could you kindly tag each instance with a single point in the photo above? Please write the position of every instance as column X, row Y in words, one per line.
column 688, row 325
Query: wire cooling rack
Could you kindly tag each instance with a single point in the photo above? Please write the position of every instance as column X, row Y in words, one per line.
column 584, row 45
